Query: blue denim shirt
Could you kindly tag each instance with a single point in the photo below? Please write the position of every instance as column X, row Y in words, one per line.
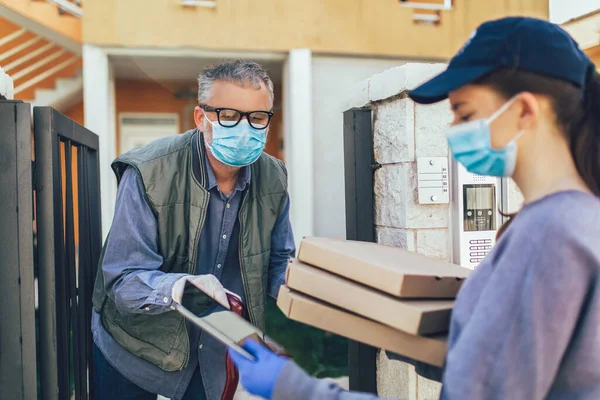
column 132, row 263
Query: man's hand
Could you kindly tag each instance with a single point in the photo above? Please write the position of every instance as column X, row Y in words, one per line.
column 209, row 284
column 260, row 376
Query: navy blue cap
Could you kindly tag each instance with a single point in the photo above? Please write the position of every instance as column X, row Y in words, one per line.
column 520, row 43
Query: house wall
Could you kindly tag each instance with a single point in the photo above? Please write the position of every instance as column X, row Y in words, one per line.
column 364, row 27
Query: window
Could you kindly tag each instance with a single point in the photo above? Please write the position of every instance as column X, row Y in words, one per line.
column 427, row 4
column 199, row 3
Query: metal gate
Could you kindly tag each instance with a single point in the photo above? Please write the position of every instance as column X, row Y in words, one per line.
column 53, row 200
column 67, row 186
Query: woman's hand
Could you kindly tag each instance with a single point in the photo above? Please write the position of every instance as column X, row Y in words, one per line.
column 258, row 377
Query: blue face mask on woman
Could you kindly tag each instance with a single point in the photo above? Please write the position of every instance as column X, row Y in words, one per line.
column 470, row 143
column 236, row 146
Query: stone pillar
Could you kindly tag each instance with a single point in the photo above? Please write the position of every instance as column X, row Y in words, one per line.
column 404, row 131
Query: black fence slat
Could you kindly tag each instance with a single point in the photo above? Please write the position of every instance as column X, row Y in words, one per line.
column 84, row 256
column 360, row 225
column 26, row 261
column 17, row 314
column 93, row 168
column 63, row 315
column 45, row 154
column 71, row 268
column 95, row 237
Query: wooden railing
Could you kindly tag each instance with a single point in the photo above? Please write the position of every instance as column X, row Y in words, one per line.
column 73, row 7
column 33, row 59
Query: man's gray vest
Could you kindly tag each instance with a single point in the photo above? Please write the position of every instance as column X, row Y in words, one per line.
column 179, row 201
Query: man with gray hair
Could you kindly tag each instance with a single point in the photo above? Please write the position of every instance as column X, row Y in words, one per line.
column 207, row 208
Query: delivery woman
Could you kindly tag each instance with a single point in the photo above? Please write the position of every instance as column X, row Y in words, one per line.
column 526, row 323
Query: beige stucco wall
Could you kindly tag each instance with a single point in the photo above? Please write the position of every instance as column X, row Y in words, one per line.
column 367, row 27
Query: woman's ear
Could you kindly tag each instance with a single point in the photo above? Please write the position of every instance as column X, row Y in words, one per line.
column 529, row 110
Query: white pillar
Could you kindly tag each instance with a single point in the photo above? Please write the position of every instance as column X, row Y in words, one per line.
column 298, row 140
column 7, row 86
column 99, row 110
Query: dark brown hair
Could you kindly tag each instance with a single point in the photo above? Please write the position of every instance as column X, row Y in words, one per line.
column 577, row 114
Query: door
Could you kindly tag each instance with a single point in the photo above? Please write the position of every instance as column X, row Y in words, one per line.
column 139, row 129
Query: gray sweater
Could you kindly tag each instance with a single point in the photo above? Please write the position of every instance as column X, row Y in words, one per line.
column 526, row 323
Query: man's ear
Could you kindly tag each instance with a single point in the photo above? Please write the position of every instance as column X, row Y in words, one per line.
column 199, row 118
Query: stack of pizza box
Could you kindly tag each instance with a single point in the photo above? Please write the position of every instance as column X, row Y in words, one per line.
column 383, row 296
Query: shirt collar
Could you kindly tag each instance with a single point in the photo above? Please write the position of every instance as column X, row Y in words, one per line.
column 243, row 180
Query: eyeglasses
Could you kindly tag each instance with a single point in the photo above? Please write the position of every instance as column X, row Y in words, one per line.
column 229, row 117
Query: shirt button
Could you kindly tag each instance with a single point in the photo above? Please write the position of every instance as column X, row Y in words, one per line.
column 218, row 265
column 166, row 299
column 224, row 236
column 201, row 346
column 147, row 308
column 228, row 205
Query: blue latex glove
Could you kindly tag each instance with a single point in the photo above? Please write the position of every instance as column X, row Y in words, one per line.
column 260, row 376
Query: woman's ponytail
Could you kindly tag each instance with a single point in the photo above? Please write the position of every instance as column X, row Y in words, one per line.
column 585, row 134
column 577, row 113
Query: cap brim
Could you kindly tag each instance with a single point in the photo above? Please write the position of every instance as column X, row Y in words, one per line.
column 437, row 88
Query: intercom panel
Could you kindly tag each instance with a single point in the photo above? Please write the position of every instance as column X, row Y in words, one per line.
column 476, row 202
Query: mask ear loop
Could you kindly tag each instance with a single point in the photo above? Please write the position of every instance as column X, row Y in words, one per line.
column 502, row 109
column 206, row 145
column 518, row 136
column 208, row 119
